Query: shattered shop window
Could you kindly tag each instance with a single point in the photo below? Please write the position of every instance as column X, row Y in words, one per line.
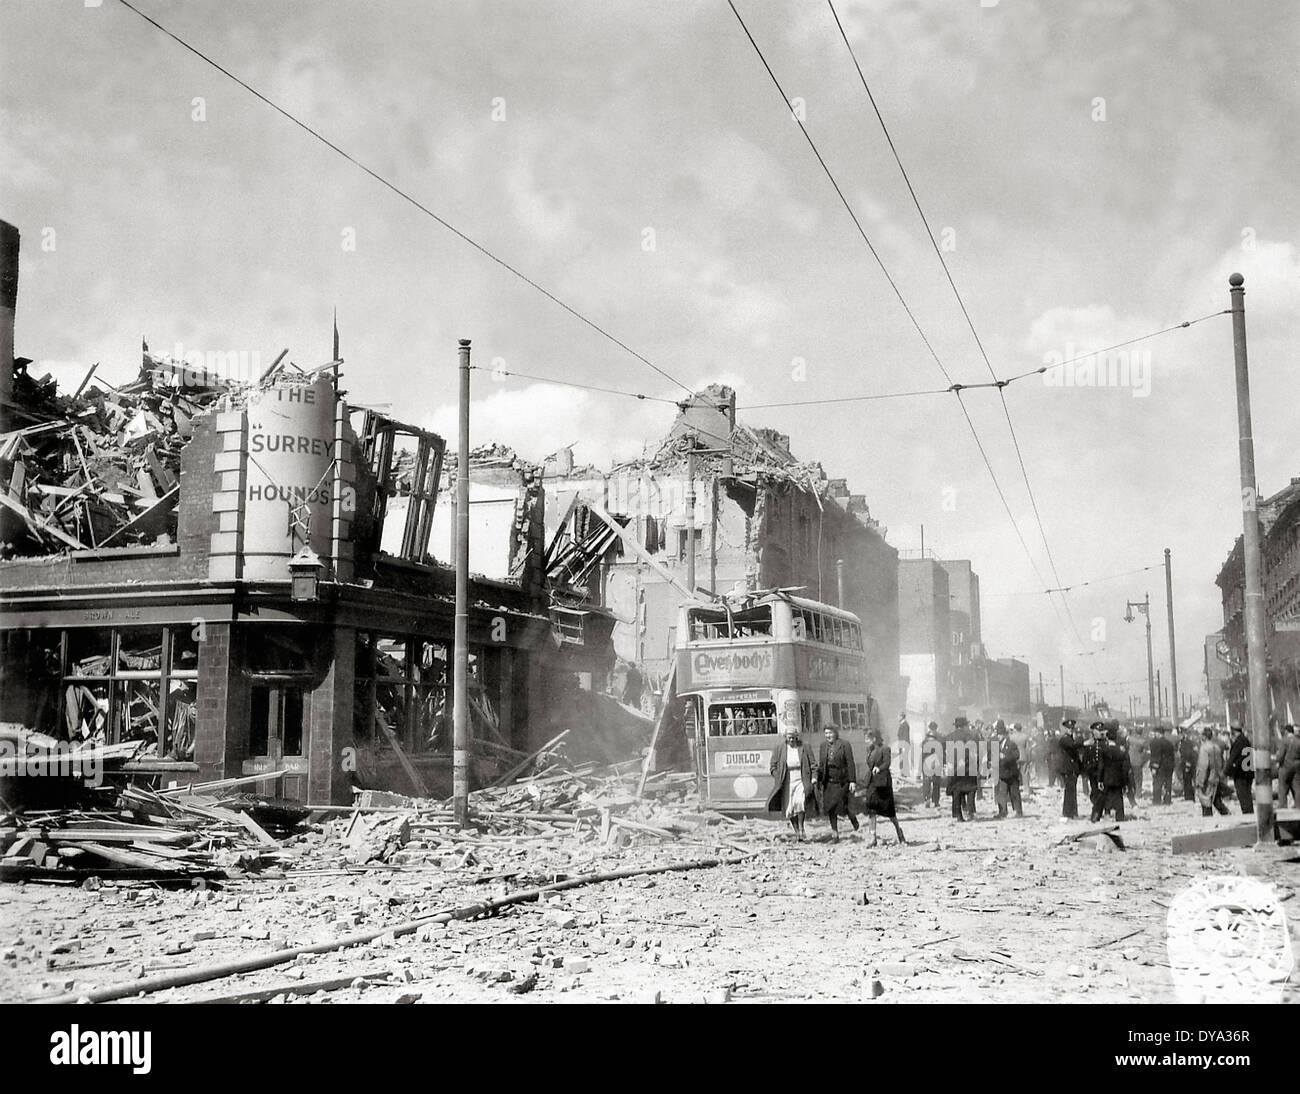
column 90, row 652
column 136, row 711
column 139, row 651
column 182, row 719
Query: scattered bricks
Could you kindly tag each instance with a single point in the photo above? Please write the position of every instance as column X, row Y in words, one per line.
column 67, row 945
column 718, row 995
column 561, row 919
column 203, row 936
column 408, row 997
column 360, row 983
column 576, row 965
column 524, row 985
column 648, row 997
column 877, row 989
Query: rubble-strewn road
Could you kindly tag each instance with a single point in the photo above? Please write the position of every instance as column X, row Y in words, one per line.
column 992, row 911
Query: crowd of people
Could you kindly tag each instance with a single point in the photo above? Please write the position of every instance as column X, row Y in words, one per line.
column 1110, row 761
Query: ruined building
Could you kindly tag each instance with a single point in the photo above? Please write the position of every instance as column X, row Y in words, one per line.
column 245, row 577
column 761, row 519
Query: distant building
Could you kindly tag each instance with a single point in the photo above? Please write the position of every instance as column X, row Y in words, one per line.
column 925, row 638
column 1279, row 518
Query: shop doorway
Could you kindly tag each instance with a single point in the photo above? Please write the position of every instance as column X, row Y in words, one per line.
column 277, row 738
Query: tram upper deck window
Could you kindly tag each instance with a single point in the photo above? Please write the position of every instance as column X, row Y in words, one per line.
column 710, row 625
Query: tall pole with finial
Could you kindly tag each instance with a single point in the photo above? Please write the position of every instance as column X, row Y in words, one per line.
column 1261, row 752
column 460, row 642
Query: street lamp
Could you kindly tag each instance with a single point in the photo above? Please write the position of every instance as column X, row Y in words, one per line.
column 305, row 569
column 1144, row 606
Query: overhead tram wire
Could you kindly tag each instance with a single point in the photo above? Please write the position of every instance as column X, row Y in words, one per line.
column 574, row 383
column 483, row 250
column 1001, row 388
column 954, row 387
column 1079, row 584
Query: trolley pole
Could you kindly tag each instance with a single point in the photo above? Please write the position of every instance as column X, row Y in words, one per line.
column 1261, row 752
column 839, row 582
column 460, row 660
column 1173, row 660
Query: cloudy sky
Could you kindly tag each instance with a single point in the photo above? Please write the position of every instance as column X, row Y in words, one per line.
column 1098, row 168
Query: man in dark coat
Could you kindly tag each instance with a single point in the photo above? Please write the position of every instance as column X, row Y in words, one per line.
column 1241, row 769
column 903, row 744
column 1113, row 776
column 1067, row 766
column 931, row 765
column 1090, row 759
column 962, row 764
column 1288, row 768
column 1163, row 759
column 1187, row 751
column 1008, row 789
column 837, row 778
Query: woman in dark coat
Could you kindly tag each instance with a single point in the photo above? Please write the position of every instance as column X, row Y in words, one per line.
column 792, row 766
column 880, row 787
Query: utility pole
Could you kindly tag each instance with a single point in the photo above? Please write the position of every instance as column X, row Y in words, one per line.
column 1062, row 668
column 839, row 582
column 1262, row 752
column 690, row 518
column 1160, row 706
column 460, row 646
column 1173, row 660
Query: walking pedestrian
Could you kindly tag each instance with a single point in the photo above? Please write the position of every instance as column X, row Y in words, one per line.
column 837, row 778
column 1067, row 767
column 1288, row 768
column 962, row 766
column 1163, row 758
column 1113, row 776
column 1025, row 747
column 1241, row 769
column 1139, row 752
column 931, row 765
column 1187, row 755
column 1008, row 790
column 879, row 800
column 1209, row 774
column 792, row 766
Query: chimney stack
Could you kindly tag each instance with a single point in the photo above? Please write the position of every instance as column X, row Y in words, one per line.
column 8, row 306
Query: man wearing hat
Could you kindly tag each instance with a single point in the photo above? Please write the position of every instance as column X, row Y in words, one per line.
column 1008, row 789
column 1090, row 759
column 1288, row 768
column 1164, row 756
column 1113, row 775
column 1187, row 755
column 963, row 768
column 1068, row 763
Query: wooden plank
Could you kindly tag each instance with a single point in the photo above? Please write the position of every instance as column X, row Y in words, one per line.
column 259, row 833
column 630, row 541
column 172, row 493
column 1237, row 835
column 32, row 519
column 670, row 694
column 126, row 858
column 417, row 782
column 504, row 778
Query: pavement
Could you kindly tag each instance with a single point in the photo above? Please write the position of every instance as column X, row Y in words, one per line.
column 990, row 911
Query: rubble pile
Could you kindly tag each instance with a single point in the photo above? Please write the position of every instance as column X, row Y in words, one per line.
column 173, row 835
column 101, row 467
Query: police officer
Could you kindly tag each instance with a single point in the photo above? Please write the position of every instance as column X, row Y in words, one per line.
column 1113, row 775
column 1067, row 767
column 962, row 763
column 1008, row 789
column 1240, row 770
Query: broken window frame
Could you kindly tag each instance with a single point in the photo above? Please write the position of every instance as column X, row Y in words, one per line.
column 119, row 684
column 378, row 437
column 417, row 696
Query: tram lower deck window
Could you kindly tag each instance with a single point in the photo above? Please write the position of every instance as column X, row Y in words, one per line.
column 741, row 719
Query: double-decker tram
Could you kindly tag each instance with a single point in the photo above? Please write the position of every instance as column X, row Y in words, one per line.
column 749, row 671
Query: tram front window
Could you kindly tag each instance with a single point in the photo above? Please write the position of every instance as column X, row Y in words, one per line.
column 742, row 719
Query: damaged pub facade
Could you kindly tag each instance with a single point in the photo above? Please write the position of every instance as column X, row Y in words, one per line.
column 238, row 575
